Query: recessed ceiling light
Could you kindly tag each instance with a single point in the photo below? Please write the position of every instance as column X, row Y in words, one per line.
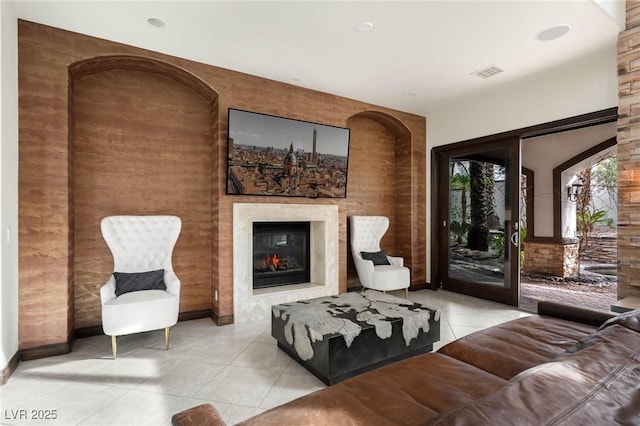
column 156, row 22
column 365, row 26
column 554, row 32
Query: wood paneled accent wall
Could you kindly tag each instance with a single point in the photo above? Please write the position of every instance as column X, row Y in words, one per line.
column 82, row 150
column 629, row 154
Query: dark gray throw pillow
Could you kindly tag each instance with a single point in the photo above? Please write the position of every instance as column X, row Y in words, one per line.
column 378, row 257
column 137, row 281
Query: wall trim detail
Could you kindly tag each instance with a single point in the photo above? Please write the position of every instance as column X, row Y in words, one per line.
column 425, row 286
column 45, row 351
column 82, row 332
column 222, row 320
column 194, row 315
column 6, row 372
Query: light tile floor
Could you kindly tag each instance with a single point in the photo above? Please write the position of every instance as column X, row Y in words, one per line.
column 238, row 368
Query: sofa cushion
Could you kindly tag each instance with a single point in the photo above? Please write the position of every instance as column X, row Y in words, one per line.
column 597, row 385
column 514, row 346
column 408, row 392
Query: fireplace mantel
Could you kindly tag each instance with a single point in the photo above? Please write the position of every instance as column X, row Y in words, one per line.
column 249, row 304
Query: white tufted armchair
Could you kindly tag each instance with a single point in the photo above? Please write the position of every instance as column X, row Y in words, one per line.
column 366, row 234
column 140, row 244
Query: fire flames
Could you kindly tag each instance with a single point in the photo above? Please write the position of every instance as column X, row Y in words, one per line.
column 271, row 261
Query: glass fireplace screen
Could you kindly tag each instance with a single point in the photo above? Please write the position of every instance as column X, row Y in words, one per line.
column 280, row 253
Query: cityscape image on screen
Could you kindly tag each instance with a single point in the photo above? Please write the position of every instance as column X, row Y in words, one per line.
column 278, row 156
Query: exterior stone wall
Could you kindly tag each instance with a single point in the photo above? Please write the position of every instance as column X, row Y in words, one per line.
column 556, row 259
column 629, row 154
column 601, row 250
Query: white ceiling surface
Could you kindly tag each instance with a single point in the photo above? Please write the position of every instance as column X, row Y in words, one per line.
column 427, row 48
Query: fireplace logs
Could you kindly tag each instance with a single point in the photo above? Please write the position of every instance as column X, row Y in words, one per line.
column 273, row 263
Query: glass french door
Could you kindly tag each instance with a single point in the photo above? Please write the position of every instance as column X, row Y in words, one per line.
column 479, row 220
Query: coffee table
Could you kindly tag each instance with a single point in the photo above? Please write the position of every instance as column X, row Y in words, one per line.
column 338, row 337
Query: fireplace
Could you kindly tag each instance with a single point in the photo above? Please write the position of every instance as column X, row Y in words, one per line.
column 250, row 304
column 281, row 254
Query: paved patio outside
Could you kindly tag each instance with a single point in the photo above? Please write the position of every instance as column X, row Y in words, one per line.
column 586, row 296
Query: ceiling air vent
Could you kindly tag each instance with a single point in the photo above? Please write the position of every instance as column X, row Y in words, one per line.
column 488, row 72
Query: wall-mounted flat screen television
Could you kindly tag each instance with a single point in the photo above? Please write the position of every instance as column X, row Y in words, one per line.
column 270, row 155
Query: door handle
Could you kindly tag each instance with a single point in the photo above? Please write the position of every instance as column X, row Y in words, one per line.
column 515, row 238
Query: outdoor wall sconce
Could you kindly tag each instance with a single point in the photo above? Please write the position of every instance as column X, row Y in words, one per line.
column 574, row 190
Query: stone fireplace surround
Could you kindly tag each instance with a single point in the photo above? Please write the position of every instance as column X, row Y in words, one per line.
column 250, row 304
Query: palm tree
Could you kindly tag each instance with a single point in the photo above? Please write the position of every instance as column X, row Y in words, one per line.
column 462, row 183
column 481, row 184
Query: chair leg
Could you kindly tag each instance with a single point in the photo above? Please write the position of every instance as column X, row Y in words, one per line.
column 406, row 293
column 114, row 346
column 167, row 333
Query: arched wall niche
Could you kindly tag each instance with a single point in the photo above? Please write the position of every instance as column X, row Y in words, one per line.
column 142, row 137
column 98, row 64
column 381, row 182
column 391, row 123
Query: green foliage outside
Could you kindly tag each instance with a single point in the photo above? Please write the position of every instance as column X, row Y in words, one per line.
column 605, row 176
column 496, row 243
column 586, row 222
column 459, row 230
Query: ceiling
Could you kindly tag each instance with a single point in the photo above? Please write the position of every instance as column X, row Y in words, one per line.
column 417, row 54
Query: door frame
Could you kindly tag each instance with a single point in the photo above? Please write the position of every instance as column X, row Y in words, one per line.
column 585, row 120
column 509, row 293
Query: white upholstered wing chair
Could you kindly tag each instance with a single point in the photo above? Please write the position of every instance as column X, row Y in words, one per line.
column 140, row 244
column 366, row 234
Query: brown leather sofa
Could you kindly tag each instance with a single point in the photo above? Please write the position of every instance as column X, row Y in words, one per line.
column 564, row 366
